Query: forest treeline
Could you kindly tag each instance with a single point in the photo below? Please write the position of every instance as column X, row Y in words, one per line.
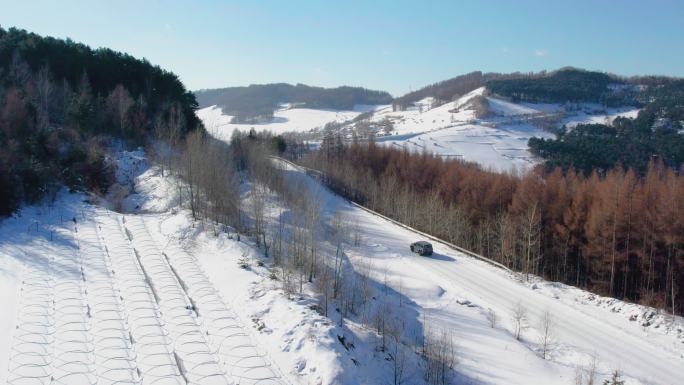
column 631, row 143
column 61, row 104
column 444, row 91
column 618, row 234
column 573, row 85
column 259, row 101
column 566, row 85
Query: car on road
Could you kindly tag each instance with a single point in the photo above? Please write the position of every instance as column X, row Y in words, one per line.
column 421, row 248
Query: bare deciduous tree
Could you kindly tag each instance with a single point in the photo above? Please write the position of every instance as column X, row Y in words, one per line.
column 579, row 376
column 547, row 333
column 591, row 371
column 398, row 353
column 519, row 318
column 119, row 103
column 45, row 91
column 491, row 318
column 440, row 357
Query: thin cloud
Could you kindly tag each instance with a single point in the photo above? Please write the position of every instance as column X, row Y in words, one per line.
column 541, row 52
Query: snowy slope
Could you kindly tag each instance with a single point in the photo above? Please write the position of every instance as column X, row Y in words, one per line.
column 455, row 291
column 90, row 296
column 505, row 108
column 452, row 130
column 154, row 297
column 502, row 149
column 498, row 140
column 603, row 116
column 284, row 120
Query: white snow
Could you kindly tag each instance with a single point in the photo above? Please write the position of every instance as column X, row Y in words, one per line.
column 151, row 296
column 285, row 119
column 505, row 108
column 469, row 287
column 499, row 148
column 603, row 116
column 452, row 131
column 498, row 141
column 89, row 296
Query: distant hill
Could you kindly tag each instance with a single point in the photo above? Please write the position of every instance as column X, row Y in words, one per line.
column 258, row 101
column 565, row 85
column 571, row 117
column 446, row 90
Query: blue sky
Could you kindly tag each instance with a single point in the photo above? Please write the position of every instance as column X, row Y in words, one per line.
column 391, row 45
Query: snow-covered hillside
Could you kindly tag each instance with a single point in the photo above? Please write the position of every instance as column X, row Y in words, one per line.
column 454, row 291
column 150, row 296
column 453, row 131
column 95, row 296
column 285, row 119
column 497, row 140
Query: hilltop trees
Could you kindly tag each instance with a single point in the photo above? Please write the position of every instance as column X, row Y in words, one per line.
column 564, row 85
column 61, row 101
column 630, row 143
column 445, row 91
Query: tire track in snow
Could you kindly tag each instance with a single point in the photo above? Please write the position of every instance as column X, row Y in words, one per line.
column 153, row 346
column 52, row 342
column 244, row 359
column 31, row 354
column 74, row 354
column 199, row 362
column 114, row 355
column 571, row 325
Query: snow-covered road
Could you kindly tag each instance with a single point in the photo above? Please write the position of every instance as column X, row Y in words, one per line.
column 580, row 333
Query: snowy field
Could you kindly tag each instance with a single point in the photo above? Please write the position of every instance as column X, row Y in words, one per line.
column 498, row 148
column 90, row 295
column 94, row 296
column 284, row 120
column 498, row 141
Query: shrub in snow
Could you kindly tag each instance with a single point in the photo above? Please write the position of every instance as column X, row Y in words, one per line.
column 439, row 351
column 491, row 318
column 614, row 380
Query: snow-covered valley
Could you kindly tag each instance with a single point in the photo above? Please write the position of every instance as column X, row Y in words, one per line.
column 151, row 296
column 262, row 193
column 497, row 140
column 286, row 119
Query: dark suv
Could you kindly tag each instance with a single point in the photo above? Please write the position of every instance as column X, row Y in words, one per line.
column 422, row 248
